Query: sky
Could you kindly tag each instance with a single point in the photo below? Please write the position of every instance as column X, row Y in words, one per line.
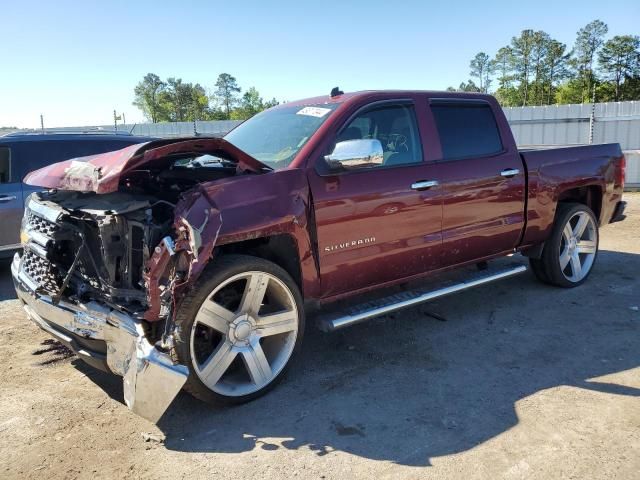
column 75, row 62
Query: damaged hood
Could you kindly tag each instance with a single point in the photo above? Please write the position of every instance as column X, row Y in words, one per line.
column 102, row 173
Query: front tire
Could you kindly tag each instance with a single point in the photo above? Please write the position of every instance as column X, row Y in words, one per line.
column 571, row 250
column 239, row 329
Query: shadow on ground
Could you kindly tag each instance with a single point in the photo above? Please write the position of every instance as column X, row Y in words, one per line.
column 408, row 388
column 7, row 292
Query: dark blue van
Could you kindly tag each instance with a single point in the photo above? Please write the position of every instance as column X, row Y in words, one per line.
column 21, row 153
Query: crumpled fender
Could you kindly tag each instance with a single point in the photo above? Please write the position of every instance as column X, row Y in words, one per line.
column 197, row 218
column 229, row 211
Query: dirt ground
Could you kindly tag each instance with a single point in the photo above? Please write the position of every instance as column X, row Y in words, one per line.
column 521, row 381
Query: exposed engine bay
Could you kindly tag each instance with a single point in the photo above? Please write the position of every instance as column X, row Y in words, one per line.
column 86, row 246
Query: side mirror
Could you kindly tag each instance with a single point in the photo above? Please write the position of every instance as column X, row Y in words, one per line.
column 356, row 153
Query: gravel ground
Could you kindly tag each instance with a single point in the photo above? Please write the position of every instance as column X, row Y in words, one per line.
column 520, row 381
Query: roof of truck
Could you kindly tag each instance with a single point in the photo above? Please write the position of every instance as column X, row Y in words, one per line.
column 324, row 99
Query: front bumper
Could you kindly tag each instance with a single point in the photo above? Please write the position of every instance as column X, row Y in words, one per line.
column 109, row 340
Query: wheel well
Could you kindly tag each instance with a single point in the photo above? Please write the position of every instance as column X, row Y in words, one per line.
column 279, row 249
column 591, row 196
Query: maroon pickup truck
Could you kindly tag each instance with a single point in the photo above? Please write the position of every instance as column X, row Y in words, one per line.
column 190, row 263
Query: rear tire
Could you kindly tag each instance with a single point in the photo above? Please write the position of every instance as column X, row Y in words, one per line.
column 570, row 251
column 538, row 270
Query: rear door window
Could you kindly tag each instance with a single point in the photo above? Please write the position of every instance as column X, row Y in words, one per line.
column 5, row 165
column 466, row 129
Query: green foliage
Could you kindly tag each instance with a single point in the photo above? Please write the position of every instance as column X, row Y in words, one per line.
column 535, row 69
column 588, row 41
column 176, row 101
column 147, row 97
column 250, row 104
column 481, row 68
column 227, row 91
column 619, row 60
column 570, row 92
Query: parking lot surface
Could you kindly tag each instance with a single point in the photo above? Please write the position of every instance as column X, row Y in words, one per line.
column 522, row 380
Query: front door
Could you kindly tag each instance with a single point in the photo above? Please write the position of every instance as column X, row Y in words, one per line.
column 377, row 221
column 10, row 201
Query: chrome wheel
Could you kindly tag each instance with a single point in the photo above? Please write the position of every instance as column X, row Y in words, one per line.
column 244, row 333
column 578, row 246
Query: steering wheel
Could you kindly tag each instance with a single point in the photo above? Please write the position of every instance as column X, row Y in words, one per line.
column 397, row 142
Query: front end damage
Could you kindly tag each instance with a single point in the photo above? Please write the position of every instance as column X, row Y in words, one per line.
column 109, row 340
column 103, row 272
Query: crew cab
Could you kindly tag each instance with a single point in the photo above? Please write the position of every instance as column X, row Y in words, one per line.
column 190, row 263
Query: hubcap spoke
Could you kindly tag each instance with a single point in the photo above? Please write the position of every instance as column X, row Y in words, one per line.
column 257, row 363
column 564, row 258
column 254, row 293
column 567, row 233
column 583, row 220
column 586, row 246
column 576, row 266
column 214, row 315
column 277, row 323
column 218, row 363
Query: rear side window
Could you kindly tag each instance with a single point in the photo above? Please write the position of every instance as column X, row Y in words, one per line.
column 5, row 165
column 466, row 129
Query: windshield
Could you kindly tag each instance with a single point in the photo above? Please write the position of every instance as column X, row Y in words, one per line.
column 275, row 136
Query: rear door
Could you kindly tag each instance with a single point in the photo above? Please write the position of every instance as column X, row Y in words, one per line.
column 375, row 222
column 482, row 181
column 10, row 200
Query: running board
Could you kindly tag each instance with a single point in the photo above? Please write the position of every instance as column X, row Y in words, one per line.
column 398, row 301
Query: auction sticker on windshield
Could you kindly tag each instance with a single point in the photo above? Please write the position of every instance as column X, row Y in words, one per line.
column 314, row 111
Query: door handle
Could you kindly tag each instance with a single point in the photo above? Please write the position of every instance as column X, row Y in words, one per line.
column 510, row 172
column 7, row 198
column 424, row 184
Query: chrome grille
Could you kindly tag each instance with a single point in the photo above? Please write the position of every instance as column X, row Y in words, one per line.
column 40, row 271
column 41, row 225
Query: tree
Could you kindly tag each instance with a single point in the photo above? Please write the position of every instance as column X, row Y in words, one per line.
column 480, row 66
column 620, row 59
column 250, row 104
column 148, row 95
column 227, row 90
column 521, row 51
column 589, row 40
column 556, row 67
column 539, row 52
column 570, row 91
column 198, row 108
column 502, row 65
column 470, row 86
column 177, row 99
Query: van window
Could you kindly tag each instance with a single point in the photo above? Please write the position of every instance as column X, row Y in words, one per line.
column 5, row 165
column 42, row 153
column 466, row 129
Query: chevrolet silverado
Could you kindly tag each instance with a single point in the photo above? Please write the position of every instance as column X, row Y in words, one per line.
column 189, row 263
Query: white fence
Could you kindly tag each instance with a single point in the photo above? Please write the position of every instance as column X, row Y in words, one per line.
column 176, row 129
column 577, row 124
column 616, row 122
